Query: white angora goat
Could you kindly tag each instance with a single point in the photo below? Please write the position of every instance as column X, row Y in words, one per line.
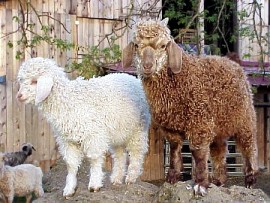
column 89, row 118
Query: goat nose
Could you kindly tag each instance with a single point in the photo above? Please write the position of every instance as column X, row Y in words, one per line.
column 19, row 95
column 148, row 66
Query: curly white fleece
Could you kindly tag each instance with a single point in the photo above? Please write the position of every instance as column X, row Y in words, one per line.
column 90, row 117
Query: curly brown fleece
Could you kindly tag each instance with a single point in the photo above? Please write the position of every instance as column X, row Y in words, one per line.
column 203, row 99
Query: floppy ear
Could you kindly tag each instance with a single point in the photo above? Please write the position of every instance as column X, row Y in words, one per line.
column 174, row 57
column 44, row 86
column 127, row 56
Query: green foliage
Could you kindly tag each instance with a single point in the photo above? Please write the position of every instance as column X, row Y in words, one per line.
column 95, row 60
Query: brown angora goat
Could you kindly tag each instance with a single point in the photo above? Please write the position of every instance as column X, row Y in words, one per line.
column 203, row 99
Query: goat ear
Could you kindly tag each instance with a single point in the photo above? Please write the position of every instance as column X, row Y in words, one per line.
column 44, row 86
column 174, row 57
column 165, row 21
column 127, row 56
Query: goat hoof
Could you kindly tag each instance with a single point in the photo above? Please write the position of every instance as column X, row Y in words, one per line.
column 173, row 176
column 94, row 189
column 217, row 182
column 129, row 181
column 200, row 190
column 116, row 183
column 68, row 194
column 250, row 180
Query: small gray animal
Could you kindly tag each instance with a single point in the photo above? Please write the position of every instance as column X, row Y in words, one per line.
column 17, row 158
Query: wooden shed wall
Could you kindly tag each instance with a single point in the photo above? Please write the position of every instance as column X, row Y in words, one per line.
column 85, row 23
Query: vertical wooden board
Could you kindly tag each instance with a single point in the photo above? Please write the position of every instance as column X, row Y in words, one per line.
column 90, row 32
column 267, row 164
column 41, row 138
column 65, row 6
column 33, row 52
column 108, row 9
column 96, row 32
column 3, row 42
column 116, row 9
column 38, row 50
column 21, row 108
column 119, row 33
column 146, row 168
column 46, row 46
column 80, row 36
column 73, row 7
column 16, row 119
column 74, row 37
column 9, row 83
column 107, row 29
column 160, row 152
column 95, row 8
column 51, row 7
column 10, row 121
column 147, row 160
column 260, row 136
column 101, row 39
column 79, row 8
column 3, row 94
column 57, row 34
column 51, row 47
column 84, row 34
column 34, row 134
column 63, row 55
column 82, row 8
column 29, row 126
column 3, row 117
column 54, row 154
column 18, row 111
column 43, row 7
column 68, row 37
column 15, row 5
column 91, row 9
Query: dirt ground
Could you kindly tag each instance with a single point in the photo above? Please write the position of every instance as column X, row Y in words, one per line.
column 156, row 191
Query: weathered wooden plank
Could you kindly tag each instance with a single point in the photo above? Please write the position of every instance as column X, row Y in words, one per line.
column 82, row 8
column 80, row 36
column 95, row 9
column 68, row 37
column 85, row 31
column 261, row 130
column 3, row 96
column 73, row 7
column 3, row 117
column 3, row 42
column 74, row 37
column 28, row 127
column 9, row 82
column 62, row 55
column 267, row 151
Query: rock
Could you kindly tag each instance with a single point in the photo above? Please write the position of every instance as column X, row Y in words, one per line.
column 140, row 192
column 181, row 192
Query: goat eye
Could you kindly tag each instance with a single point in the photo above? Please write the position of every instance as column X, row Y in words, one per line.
column 163, row 46
column 33, row 82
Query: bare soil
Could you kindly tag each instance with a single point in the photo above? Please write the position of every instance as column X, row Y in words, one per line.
column 156, row 191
